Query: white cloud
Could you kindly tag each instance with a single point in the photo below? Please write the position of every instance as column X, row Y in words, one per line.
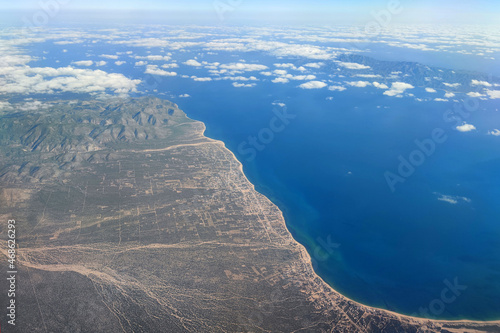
column 440, row 100
column 141, row 63
column 154, row 70
column 33, row 105
column 280, row 80
column 109, row 56
column 201, row 79
column 359, row 84
column 452, row 199
column 24, row 80
column 380, row 85
column 184, row 96
column 336, row 88
column 119, row 63
column 5, row 105
column 449, row 95
column 83, row 63
column 299, row 77
column 430, row 90
column 353, row 65
column 493, row 94
column 466, row 127
column 172, row 65
column 192, row 62
column 452, row 85
column 313, row 85
column 495, row 132
column 480, row 83
column 397, row 88
column 243, row 85
column 238, row 78
column 285, row 65
column 474, row 94
column 279, row 104
column 280, row 72
column 314, row 64
column 156, row 58
column 369, row 76
column 244, row 67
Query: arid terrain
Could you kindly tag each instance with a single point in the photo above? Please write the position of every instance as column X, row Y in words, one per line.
column 130, row 220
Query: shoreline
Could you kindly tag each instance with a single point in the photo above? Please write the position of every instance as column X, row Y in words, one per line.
column 307, row 260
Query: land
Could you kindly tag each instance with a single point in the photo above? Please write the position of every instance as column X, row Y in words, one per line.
column 129, row 219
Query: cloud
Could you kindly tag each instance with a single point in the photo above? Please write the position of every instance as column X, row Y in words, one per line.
column 451, row 199
column 449, row 95
column 83, row 63
column 100, row 63
column 155, row 58
column 25, row 80
column 480, row 83
column 336, row 88
column 474, row 94
column 238, row 78
column 243, row 85
column 279, row 49
column 359, row 84
column 313, row 85
column 109, row 56
column 279, row 104
column 291, row 66
column 430, row 90
column 440, row 100
column 184, row 96
column 397, row 88
column 466, row 127
column 495, row 132
column 141, row 63
column 192, row 62
column 299, row 77
column 280, row 80
column 493, row 94
column 172, row 65
column 119, row 63
column 353, row 65
column 244, row 67
column 369, row 76
column 201, row 79
column 452, row 85
column 33, row 106
column 5, row 105
column 380, row 85
column 314, row 64
column 154, row 70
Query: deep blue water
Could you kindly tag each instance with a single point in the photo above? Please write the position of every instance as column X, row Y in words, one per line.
column 325, row 170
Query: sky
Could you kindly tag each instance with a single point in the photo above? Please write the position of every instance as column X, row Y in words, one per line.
column 278, row 11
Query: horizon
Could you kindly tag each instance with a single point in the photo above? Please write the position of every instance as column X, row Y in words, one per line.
column 239, row 12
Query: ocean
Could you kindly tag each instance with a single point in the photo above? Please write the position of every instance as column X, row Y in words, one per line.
column 395, row 250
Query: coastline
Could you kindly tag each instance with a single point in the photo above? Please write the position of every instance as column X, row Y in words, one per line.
column 307, row 260
column 191, row 245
